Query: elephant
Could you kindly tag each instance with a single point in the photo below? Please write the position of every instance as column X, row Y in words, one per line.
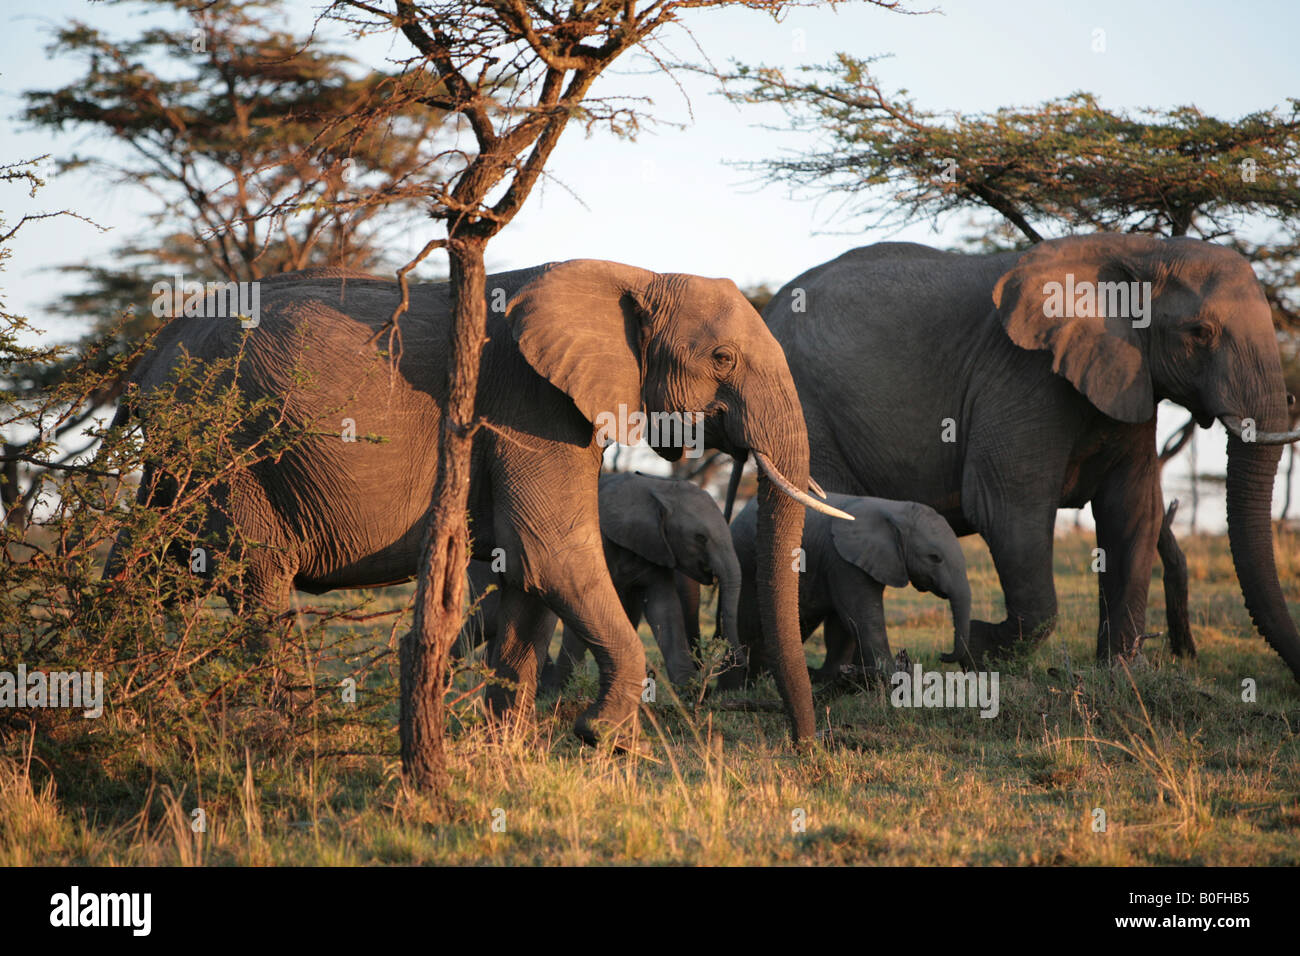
column 570, row 346
column 846, row 569
column 996, row 388
column 663, row 538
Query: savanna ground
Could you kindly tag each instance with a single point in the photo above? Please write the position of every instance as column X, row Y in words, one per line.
column 1185, row 770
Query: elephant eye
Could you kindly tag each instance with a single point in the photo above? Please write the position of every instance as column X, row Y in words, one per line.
column 1203, row 333
column 936, row 558
column 724, row 358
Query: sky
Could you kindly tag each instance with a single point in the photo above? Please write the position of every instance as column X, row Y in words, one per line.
column 675, row 200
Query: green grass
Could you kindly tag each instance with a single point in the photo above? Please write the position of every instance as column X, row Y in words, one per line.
column 1185, row 771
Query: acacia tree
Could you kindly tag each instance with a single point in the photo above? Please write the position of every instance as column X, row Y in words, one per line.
column 515, row 72
column 1066, row 165
column 223, row 121
column 17, row 387
column 1063, row 166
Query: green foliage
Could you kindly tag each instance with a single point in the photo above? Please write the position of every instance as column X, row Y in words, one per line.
column 150, row 621
column 233, row 126
column 1064, row 166
column 1067, row 163
column 260, row 150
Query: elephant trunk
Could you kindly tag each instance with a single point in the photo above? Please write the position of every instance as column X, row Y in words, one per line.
column 780, row 534
column 726, row 566
column 1251, row 470
column 959, row 601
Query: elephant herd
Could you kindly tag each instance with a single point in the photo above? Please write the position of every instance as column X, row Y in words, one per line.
column 931, row 394
column 665, row 537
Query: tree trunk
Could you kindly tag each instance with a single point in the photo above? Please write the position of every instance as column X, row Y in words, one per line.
column 440, row 593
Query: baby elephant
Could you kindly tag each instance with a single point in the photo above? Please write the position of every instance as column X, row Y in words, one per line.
column 844, row 569
column 663, row 538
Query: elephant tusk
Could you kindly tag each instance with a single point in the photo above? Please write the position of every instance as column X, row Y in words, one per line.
column 816, row 488
column 803, row 498
column 1233, row 424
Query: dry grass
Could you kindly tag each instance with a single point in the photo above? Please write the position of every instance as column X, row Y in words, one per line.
column 1184, row 770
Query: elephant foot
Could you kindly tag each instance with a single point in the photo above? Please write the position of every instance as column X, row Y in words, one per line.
column 684, row 681
column 995, row 643
column 614, row 718
column 552, row 679
column 731, row 680
column 733, row 671
column 604, row 726
column 848, row 678
column 694, row 691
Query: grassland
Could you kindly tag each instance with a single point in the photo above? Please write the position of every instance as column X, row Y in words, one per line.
column 1184, row 769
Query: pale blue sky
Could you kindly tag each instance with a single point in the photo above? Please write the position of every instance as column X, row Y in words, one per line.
column 670, row 201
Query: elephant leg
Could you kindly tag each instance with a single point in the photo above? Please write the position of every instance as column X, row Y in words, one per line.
column 840, row 643
column 1128, row 516
column 265, row 586
column 633, row 601
column 580, row 592
column 1021, row 545
column 858, row 622
column 472, row 633
column 1174, row 564
column 245, row 529
column 688, row 596
column 593, row 612
column 542, row 648
column 663, row 609
column 573, row 650
column 572, row 653
column 554, row 550
column 157, row 490
column 525, row 624
column 268, row 579
column 481, row 627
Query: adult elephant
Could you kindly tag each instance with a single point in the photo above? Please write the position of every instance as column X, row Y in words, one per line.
column 997, row 388
column 663, row 538
column 574, row 340
column 846, row 567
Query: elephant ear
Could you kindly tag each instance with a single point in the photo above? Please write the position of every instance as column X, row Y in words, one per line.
column 1102, row 356
column 641, row 526
column 872, row 542
column 580, row 325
